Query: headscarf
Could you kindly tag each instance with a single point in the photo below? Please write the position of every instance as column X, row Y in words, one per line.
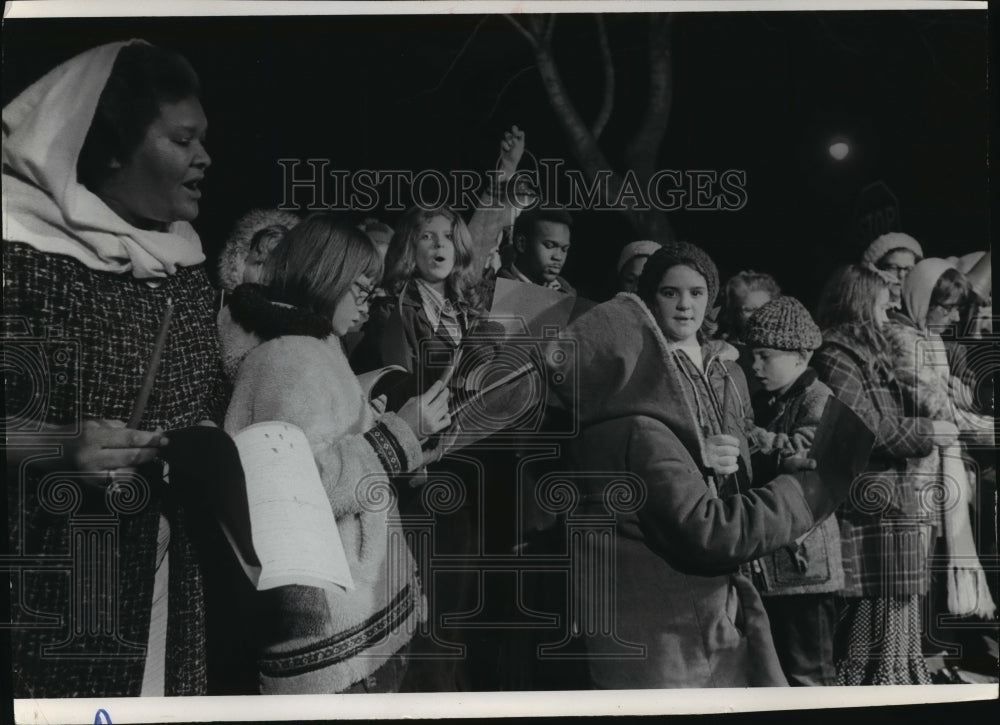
column 642, row 248
column 888, row 242
column 918, row 287
column 45, row 207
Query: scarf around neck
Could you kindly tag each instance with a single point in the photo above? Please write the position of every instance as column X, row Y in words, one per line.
column 45, row 207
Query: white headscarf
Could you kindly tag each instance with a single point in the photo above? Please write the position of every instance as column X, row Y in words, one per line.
column 45, row 206
column 919, row 286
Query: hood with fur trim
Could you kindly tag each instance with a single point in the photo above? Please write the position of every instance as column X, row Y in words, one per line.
column 234, row 254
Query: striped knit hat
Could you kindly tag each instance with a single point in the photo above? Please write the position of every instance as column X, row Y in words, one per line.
column 783, row 324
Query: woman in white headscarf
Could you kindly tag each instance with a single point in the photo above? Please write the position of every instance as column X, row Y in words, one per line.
column 892, row 256
column 932, row 294
column 102, row 162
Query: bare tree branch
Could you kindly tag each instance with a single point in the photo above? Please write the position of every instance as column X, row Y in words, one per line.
column 641, row 151
column 520, row 28
column 538, row 25
column 507, row 85
column 454, row 62
column 585, row 148
column 608, row 101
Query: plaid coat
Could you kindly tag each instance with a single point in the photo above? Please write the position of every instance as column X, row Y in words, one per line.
column 886, row 532
column 92, row 333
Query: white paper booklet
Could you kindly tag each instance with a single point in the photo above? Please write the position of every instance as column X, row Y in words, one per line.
column 292, row 528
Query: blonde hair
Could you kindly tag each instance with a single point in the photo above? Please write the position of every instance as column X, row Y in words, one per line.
column 462, row 286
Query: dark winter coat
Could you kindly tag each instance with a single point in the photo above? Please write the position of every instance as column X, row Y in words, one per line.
column 672, row 560
column 813, row 564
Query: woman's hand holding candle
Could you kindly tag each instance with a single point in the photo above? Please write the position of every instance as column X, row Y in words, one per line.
column 107, row 445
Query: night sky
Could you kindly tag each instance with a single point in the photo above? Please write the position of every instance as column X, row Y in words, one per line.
column 761, row 92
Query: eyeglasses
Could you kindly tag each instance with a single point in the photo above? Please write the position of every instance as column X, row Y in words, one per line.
column 897, row 270
column 362, row 295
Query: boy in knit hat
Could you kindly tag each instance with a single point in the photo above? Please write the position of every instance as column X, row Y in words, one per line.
column 797, row 582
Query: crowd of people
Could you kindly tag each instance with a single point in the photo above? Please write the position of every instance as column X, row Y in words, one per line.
column 741, row 563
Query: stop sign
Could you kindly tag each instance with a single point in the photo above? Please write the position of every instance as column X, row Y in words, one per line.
column 876, row 212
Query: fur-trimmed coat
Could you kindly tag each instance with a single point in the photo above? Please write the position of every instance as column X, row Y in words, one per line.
column 316, row 640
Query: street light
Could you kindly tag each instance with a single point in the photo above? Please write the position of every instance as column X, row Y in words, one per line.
column 839, row 150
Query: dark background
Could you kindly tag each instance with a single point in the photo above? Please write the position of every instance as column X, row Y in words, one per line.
column 762, row 92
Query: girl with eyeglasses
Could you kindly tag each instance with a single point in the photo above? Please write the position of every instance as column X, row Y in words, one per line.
column 290, row 366
column 892, row 256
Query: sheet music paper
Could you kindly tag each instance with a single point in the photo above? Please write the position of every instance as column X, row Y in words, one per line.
column 294, row 531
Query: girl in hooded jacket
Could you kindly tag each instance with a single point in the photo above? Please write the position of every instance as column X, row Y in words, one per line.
column 675, row 610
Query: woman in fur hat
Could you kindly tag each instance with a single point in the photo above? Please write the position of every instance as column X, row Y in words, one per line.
column 892, row 256
column 256, row 233
column 679, row 613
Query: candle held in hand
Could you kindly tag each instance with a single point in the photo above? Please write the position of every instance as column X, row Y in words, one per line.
column 139, row 408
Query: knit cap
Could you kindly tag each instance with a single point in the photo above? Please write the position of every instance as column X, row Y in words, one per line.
column 674, row 253
column 642, row 248
column 783, row 324
column 888, row 242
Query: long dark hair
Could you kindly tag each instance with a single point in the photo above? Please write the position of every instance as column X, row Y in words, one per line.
column 316, row 263
column 846, row 306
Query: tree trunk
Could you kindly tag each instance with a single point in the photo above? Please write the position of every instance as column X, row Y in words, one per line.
column 642, row 151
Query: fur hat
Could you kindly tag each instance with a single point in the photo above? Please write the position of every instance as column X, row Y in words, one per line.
column 888, row 242
column 643, row 248
column 783, row 324
column 672, row 254
column 234, row 254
